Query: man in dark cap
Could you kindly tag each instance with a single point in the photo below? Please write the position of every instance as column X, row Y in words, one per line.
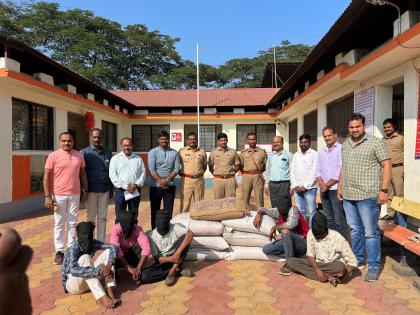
column 291, row 225
column 133, row 245
column 169, row 244
column 328, row 257
column 80, row 273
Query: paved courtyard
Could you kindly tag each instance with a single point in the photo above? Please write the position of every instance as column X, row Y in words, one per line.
column 235, row 287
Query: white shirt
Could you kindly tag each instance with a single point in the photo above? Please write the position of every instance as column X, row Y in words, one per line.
column 125, row 170
column 302, row 169
column 167, row 244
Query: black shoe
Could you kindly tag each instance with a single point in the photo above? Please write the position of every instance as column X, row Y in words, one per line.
column 285, row 271
column 59, row 257
column 388, row 218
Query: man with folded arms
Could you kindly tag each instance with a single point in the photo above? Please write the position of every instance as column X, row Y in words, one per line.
column 193, row 166
column 223, row 164
column 328, row 258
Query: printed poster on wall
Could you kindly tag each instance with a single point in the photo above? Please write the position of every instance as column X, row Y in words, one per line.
column 364, row 103
column 417, row 150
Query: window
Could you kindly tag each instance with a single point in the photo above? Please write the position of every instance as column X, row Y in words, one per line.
column 265, row 134
column 338, row 112
column 208, row 135
column 110, row 135
column 32, row 126
column 293, row 126
column 310, row 126
column 145, row 137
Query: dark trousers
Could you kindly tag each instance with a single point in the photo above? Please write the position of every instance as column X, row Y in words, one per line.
column 158, row 272
column 156, row 196
column 302, row 266
column 278, row 191
column 291, row 244
column 132, row 256
column 122, row 205
column 334, row 211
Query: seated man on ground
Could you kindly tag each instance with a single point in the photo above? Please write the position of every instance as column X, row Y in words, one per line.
column 329, row 257
column 80, row 273
column 133, row 245
column 169, row 244
column 291, row 225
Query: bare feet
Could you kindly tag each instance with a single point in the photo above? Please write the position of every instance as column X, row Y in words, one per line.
column 111, row 295
column 106, row 302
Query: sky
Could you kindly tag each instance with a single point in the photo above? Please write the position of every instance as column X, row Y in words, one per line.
column 224, row 29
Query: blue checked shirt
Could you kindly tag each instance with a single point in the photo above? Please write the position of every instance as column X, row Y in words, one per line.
column 278, row 166
column 71, row 261
column 163, row 162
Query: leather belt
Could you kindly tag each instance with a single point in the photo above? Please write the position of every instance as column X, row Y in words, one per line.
column 192, row 176
column 226, row 176
column 279, row 181
column 397, row 164
column 251, row 172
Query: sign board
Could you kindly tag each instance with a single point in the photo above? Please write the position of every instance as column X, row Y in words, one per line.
column 267, row 147
column 417, row 149
column 364, row 103
column 176, row 136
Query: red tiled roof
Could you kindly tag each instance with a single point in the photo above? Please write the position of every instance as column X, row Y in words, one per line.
column 208, row 98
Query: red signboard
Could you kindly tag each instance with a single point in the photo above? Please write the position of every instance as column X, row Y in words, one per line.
column 176, row 136
column 417, row 151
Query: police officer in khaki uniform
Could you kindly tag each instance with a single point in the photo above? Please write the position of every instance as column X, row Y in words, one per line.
column 253, row 161
column 193, row 165
column 395, row 144
column 223, row 164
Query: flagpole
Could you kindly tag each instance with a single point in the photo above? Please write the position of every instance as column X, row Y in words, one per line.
column 198, row 100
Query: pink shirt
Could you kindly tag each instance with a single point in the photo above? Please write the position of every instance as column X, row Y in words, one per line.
column 66, row 171
column 117, row 238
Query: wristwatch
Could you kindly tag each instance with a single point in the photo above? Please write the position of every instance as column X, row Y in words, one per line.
column 46, row 196
column 384, row 190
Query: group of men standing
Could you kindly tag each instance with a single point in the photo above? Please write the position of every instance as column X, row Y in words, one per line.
column 353, row 179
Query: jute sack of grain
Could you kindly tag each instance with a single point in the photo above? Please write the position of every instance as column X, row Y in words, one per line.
column 251, row 253
column 239, row 238
column 246, row 224
column 209, row 242
column 207, row 254
column 217, row 210
column 199, row 227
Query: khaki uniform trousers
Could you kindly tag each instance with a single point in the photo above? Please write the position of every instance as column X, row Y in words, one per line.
column 224, row 188
column 191, row 187
column 396, row 187
column 253, row 181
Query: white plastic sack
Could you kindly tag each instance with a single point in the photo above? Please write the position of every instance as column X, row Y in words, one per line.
column 251, row 253
column 246, row 224
column 239, row 238
column 207, row 254
column 199, row 227
column 209, row 242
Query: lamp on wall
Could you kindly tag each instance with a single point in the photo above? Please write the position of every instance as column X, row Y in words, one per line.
column 384, row 2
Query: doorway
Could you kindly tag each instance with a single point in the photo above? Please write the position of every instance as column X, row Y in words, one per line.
column 76, row 126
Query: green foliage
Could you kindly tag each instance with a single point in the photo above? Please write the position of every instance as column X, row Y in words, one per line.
column 130, row 57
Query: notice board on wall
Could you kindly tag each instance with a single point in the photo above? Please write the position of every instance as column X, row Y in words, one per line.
column 364, row 103
column 417, row 150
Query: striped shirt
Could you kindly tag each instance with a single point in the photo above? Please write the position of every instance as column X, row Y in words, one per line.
column 361, row 167
column 125, row 170
column 278, row 167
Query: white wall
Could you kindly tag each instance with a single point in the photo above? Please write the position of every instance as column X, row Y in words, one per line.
column 6, row 146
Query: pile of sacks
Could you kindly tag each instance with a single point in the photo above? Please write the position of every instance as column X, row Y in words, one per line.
column 224, row 229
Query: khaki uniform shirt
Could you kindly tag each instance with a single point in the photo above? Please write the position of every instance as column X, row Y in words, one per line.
column 395, row 146
column 248, row 156
column 223, row 162
column 193, row 162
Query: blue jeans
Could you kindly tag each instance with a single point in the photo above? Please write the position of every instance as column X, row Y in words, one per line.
column 289, row 245
column 363, row 216
column 306, row 201
column 334, row 211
